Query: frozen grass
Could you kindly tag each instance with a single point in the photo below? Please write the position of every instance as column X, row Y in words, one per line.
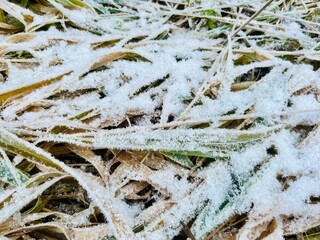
column 159, row 119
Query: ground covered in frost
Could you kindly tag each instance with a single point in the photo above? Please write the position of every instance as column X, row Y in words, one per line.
column 159, row 119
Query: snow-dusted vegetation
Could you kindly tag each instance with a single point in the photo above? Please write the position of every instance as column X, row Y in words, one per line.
column 163, row 119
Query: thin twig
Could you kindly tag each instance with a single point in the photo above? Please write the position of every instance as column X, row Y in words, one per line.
column 251, row 18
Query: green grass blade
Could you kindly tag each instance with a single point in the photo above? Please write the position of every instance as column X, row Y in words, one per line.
column 8, row 172
column 73, row 3
column 204, row 142
column 12, row 143
column 179, row 158
column 23, row 196
column 211, row 217
column 201, row 154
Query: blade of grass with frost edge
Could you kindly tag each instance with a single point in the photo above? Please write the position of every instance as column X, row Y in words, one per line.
column 211, row 216
column 58, row 129
column 179, row 158
column 8, row 172
column 26, row 89
column 96, row 190
column 209, row 142
column 23, row 196
column 12, row 143
column 201, row 154
column 73, row 3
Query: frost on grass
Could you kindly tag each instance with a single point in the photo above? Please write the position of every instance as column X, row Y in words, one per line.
column 152, row 120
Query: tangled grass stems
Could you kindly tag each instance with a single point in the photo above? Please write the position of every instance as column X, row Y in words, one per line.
column 159, row 119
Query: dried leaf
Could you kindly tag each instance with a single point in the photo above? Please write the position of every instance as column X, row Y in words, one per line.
column 5, row 96
column 110, row 57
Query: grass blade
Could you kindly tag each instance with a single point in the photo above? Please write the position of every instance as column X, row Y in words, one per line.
column 8, row 172
column 179, row 158
column 4, row 96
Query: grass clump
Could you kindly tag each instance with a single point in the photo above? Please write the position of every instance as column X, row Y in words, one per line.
column 159, row 119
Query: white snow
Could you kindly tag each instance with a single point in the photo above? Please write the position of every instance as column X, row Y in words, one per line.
column 159, row 80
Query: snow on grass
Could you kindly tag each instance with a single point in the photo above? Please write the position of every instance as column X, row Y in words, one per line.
column 196, row 134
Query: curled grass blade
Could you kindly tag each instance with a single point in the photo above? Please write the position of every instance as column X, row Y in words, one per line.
column 116, row 56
